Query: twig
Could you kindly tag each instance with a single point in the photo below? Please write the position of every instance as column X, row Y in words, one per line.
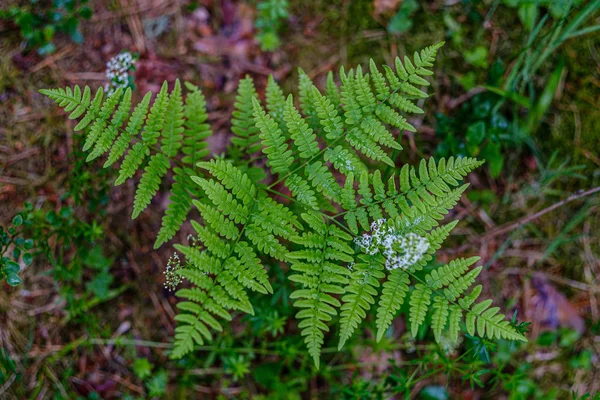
column 52, row 59
column 525, row 220
column 8, row 383
column 558, row 279
column 454, row 103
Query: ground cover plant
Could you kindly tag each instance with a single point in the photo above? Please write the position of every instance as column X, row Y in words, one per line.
column 312, row 213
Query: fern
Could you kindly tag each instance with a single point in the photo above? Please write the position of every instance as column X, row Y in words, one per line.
column 111, row 128
column 320, row 277
column 356, row 243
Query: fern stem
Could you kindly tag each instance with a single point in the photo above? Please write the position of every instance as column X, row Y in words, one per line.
column 330, row 217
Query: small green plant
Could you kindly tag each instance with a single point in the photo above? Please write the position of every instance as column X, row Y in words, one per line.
column 352, row 236
column 402, row 22
column 40, row 21
column 14, row 247
column 476, row 130
column 271, row 14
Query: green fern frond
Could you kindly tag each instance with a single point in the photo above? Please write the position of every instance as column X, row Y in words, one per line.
column 361, row 292
column 320, row 277
column 275, row 147
column 242, row 120
column 157, row 168
column 300, row 132
column 112, row 128
column 332, row 91
column 396, row 288
column 180, row 202
column 133, row 127
column 196, row 129
column 275, row 100
column 106, row 139
column 239, row 220
column 430, row 192
column 172, row 133
column 305, row 93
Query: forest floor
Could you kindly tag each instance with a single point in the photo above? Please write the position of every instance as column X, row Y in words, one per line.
column 91, row 318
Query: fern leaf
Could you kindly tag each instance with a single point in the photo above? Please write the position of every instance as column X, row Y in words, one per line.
column 419, row 304
column 132, row 162
column 361, row 292
column 305, row 93
column 106, row 138
column 156, row 117
column 156, row 169
column 277, row 151
column 331, row 90
column 396, row 288
column 196, row 130
column 301, row 191
column 180, row 202
column 99, row 124
column 133, row 127
column 320, row 278
column 275, row 100
column 242, row 121
column 172, row 132
column 300, row 132
column 439, row 317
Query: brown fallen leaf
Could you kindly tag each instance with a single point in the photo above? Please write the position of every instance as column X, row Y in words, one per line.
column 385, row 7
column 550, row 309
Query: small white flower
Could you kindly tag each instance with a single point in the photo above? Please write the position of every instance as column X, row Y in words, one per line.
column 172, row 278
column 400, row 251
column 117, row 71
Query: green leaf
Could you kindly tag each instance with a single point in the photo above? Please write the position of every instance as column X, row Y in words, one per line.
column 100, row 285
column 142, row 368
column 17, row 220
column 13, row 279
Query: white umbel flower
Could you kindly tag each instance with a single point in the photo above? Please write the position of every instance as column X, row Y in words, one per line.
column 399, row 250
column 172, row 278
column 117, row 72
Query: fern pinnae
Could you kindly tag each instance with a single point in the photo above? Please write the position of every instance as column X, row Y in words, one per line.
column 105, row 141
column 190, row 138
column 300, row 132
column 150, row 134
column 136, row 121
column 360, row 294
column 305, row 93
column 275, row 102
column 332, row 92
column 196, row 130
column 172, row 132
column 320, row 277
column 101, row 119
column 157, row 167
column 275, row 147
column 396, row 288
column 242, row 121
column 180, row 202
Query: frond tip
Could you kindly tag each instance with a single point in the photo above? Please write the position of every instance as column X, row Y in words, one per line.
column 110, row 127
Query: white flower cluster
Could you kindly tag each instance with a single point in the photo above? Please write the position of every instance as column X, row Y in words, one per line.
column 117, row 71
column 172, row 278
column 400, row 251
